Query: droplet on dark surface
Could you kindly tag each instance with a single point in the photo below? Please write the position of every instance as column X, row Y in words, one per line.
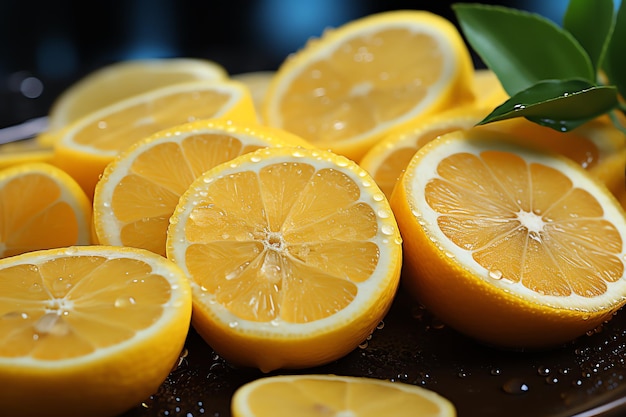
column 515, row 386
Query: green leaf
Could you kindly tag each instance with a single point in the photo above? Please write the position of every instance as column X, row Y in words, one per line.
column 559, row 104
column 522, row 48
column 614, row 63
column 590, row 22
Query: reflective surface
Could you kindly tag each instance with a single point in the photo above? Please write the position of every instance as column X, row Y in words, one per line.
column 583, row 378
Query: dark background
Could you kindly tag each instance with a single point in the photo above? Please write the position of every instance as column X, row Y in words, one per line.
column 47, row 45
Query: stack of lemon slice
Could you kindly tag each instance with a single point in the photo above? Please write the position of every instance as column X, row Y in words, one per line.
column 275, row 211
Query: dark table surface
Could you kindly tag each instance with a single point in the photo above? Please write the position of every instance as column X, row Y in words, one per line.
column 583, row 378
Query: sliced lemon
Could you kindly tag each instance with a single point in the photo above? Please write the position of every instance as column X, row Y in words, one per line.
column 294, row 256
column 87, row 146
column 258, row 82
column 345, row 90
column 120, row 80
column 509, row 245
column 41, row 207
column 387, row 160
column 333, row 395
column 88, row 331
column 139, row 190
column 23, row 151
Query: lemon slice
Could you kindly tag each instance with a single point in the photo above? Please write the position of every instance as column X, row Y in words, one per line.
column 88, row 331
column 348, row 88
column 294, row 256
column 24, row 151
column 41, row 207
column 139, row 190
column 488, row 91
column 258, row 82
column 512, row 246
column 88, row 145
column 333, row 395
column 387, row 160
column 124, row 79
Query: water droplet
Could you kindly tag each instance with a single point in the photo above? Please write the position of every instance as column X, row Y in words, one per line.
column 383, row 214
column 495, row 274
column 233, row 324
column 552, row 380
column 515, row 386
column 125, row 301
column 381, row 325
column 70, row 251
column 378, row 197
column 543, row 371
column 402, row 377
column 387, row 230
column 495, row 371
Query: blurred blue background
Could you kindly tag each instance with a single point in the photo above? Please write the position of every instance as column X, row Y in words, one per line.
column 47, row 45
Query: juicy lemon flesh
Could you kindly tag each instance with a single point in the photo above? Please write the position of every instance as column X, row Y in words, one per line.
column 29, row 226
column 394, row 164
column 391, row 169
column 120, row 129
column 337, row 398
column 524, row 228
column 136, row 83
column 54, row 310
column 164, row 173
column 290, row 242
column 316, row 395
column 124, row 79
column 326, row 103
